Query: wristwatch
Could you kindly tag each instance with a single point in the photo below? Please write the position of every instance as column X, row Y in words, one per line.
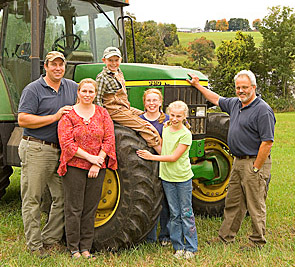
column 255, row 169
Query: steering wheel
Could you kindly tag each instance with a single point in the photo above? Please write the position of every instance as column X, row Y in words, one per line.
column 60, row 44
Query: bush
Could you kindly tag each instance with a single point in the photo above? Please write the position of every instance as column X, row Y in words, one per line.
column 176, row 50
column 280, row 104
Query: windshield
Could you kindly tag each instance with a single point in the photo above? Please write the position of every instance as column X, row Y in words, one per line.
column 16, row 47
column 79, row 30
column 74, row 27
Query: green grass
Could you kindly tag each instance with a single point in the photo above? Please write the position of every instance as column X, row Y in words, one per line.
column 174, row 59
column 216, row 37
column 279, row 251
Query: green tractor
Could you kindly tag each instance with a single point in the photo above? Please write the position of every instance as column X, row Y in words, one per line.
column 81, row 30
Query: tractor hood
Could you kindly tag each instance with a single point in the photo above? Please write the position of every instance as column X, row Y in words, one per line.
column 139, row 72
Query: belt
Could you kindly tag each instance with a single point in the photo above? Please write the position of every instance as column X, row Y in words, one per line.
column 31, row 138
column 246, row 157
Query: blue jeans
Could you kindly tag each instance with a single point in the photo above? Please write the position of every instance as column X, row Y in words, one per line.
column 164, row 220
column 183, row 233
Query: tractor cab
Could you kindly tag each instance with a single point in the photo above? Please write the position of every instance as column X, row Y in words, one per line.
column 81, row 30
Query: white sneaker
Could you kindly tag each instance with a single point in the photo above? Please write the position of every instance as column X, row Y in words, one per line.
column 179, row 254
column 189, row 255
column 165, row 243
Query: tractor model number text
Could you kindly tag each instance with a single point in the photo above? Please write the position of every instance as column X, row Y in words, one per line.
column 155, row 83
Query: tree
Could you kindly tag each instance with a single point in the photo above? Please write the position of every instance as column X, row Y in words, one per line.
column 238, row 24
column 233, row 56
column 222, row 25
column 256, row 23
column 207, row 26
column 245, row 26
column 278, row 49
column 201, row 51
column 212, row 25
column 150, row 47
column 168, row 33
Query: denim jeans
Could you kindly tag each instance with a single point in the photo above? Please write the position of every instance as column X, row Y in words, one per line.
column 183, row 233
column 164, row 220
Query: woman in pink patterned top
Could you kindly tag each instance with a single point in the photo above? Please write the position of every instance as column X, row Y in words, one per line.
column 86, row 136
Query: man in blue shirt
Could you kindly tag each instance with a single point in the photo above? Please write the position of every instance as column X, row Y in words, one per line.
column 250, row 138
column 42, row 104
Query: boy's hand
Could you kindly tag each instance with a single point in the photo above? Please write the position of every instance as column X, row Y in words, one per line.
column 149, row 126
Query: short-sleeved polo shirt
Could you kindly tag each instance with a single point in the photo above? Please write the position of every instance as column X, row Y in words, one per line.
column 249, row 125
column 40, row 99
column 180, row 170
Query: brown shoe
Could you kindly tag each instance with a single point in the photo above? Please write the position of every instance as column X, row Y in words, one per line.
column 40, row 253
column 251, row 246
column 217, row 240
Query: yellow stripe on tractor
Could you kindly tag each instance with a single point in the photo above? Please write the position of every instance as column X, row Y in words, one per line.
column 162, row 83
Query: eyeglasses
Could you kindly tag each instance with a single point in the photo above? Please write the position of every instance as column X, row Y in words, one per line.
column 242, row 88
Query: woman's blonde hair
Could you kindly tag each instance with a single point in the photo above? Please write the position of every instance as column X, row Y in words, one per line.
column 87, row 80
column 182, row 106
column 158, row 92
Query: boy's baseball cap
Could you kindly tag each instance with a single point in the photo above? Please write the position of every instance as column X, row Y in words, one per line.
column 111, row 51
column 53, row 55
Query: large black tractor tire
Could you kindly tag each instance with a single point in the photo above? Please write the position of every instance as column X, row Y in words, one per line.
column 137, row 201
column 5, row 170
column 210, row 200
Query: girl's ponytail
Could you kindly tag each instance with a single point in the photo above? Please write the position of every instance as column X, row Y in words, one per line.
column 186, row 124
column 162, row 117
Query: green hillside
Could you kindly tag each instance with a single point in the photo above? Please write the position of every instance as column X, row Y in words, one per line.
column 216, row 37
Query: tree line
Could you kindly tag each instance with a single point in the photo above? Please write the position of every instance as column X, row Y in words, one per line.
column 272, row 62
column 234, row 24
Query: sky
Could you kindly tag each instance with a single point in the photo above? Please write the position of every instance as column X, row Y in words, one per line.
column 194, row 13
